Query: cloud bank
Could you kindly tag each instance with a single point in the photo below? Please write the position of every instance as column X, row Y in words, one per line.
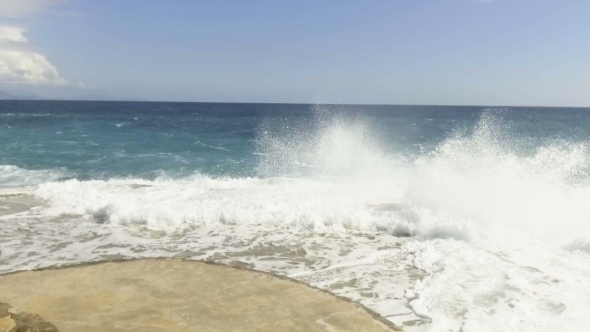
column 22, row 66
column 18, row 65
column 12, row 34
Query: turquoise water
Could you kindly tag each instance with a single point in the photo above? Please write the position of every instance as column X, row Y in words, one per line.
column 102, row 140
column 440, row 218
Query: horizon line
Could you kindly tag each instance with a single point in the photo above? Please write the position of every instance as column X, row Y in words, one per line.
column 273, row 103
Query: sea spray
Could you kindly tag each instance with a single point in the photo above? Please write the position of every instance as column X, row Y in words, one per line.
column 336, row 178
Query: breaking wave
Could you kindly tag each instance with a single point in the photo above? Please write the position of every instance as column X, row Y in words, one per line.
column 480, row 183
column 13, row 176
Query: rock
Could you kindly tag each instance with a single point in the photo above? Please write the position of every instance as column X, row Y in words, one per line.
column 22, row 322
column 4, row 309
column 7, row 324
column 27, row 322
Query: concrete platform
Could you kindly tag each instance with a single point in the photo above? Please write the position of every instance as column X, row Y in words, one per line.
column 177, row 295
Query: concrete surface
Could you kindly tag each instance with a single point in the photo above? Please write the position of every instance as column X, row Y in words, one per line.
column 177, row 295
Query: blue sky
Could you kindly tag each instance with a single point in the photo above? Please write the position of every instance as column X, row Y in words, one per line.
column 462, row 52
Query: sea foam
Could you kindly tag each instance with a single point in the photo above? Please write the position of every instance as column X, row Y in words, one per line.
column 14, row 176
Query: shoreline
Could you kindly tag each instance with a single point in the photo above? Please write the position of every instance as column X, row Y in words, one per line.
column 251, row 249
column 256, row 250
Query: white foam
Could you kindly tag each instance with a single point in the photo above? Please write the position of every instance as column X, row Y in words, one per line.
column 13, row 176
column 521, row 289
column 302, row 203
column 333, row 258
column 485, row 186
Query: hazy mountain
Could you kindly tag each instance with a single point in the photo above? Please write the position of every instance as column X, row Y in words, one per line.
column 5, row 95
column 93, row 97
column 99, row 97
column 85, row 97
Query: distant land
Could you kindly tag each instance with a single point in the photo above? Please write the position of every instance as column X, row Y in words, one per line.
column 6, row 95
column 86, row 97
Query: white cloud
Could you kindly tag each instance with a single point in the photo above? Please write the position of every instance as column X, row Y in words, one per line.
column 24, row 8
column 12, row 34
column 20, row 67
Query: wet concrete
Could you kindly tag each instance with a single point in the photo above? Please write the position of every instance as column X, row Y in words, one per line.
column 177, row 295
column 11, row 321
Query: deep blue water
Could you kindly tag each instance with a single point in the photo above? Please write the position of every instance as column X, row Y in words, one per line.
column 100, row 140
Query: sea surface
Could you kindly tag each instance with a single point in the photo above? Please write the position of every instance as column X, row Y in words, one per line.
column 439, row 218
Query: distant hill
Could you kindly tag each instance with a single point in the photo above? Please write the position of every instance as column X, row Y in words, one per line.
column 95, row 97
column 83, row 97
column 5, row 95
column 99, row 97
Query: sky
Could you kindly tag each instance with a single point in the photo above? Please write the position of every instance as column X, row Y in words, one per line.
column 436, row 52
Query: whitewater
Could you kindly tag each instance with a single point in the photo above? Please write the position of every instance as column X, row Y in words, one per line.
column 481, row 227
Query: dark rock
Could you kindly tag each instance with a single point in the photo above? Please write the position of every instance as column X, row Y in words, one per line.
column 23, row 322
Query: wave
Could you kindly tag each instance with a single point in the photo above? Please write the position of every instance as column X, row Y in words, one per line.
column 14, row 176
column 490, row 186
column 211, row 146
column 337, row 177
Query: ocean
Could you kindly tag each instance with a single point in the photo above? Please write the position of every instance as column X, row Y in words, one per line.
column 439, row 218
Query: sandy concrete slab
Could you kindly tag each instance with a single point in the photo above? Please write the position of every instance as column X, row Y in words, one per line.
column 177, row 295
